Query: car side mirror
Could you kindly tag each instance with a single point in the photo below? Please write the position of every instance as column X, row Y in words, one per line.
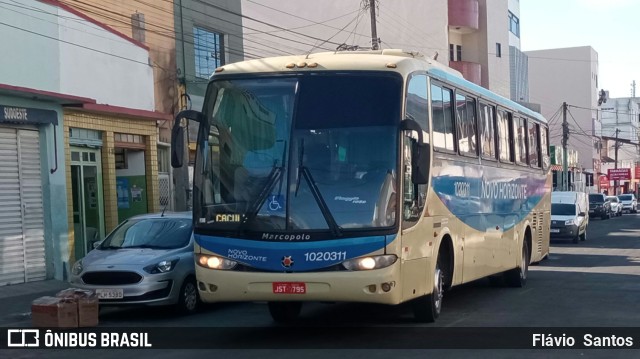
column 96, row 244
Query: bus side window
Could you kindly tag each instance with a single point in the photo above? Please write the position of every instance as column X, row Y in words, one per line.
column 534, row 145
column 487, row 131
column 521, row 140
column 442, row 118
column 504, row 136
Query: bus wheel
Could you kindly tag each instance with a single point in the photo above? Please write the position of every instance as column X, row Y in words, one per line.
column 285, row 312
column 517, row 277
column 427, row 308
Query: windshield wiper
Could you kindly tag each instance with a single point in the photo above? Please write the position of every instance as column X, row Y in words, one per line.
column 315, row 191
column 252, row 212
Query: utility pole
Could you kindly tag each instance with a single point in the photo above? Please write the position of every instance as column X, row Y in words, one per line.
column 565, row 140
column 615, row 165
column 633, row 88
column 374, row 32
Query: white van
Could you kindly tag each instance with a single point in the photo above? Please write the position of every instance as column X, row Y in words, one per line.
column 569, row 215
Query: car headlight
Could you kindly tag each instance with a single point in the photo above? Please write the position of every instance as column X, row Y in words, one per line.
column 371, row 262
column 215, row 262
column 77, row 268
column 161, row 267
column 570, row 222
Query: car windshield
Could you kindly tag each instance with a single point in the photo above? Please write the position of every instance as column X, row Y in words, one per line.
column 613, row 199
column 596, row 198
column 563, row 209
column 625, row 197
column 158, row 233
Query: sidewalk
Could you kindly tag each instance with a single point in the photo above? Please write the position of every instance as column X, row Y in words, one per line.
column 15, row 300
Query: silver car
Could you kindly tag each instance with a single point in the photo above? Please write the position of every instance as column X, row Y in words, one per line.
column 629, row 202
column 616, row 205
column 147, row 259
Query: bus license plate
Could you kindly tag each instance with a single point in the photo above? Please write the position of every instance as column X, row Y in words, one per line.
column 289, row 288
column 110, row 293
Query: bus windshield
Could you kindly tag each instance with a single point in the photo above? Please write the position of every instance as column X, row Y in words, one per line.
column 311, row 152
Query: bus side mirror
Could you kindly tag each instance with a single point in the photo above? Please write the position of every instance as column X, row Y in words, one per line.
column 178, row 135
column 420, row 156
column 420, row 163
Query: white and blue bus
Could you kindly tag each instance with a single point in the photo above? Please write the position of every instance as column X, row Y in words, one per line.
column 366, row 176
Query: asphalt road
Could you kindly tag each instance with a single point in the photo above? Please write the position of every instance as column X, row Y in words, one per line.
column 590, row 284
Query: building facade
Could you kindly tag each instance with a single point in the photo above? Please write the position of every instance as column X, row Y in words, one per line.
column 620, row 133
column 471, row 36
column 59, row 132
column 569, row 75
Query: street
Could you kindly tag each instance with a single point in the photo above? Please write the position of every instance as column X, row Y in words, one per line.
column 589, row 284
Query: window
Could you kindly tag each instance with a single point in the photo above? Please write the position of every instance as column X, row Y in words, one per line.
column 520, row 140
column 442, row 117
column 498, row 50
column 451, row 57
column 120, row 155
column 417, row 105
column 208, row 51
column 514, row 24
column 534, row 147
column 466, row 124
column 504, row 136
column 487, row 132
column 459, row 53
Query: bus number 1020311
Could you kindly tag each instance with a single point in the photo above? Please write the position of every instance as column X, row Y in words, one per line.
column 325, row 256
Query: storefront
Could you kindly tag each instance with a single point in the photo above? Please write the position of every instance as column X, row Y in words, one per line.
column 113, row 170
column 30, row 198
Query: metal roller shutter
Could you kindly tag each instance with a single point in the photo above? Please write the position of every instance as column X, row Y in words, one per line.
column 22, row 256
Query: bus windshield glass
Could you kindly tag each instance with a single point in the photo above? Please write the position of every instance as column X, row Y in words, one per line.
column 311, row 152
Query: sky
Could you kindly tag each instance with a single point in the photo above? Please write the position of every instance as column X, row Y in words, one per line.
column 610, row 27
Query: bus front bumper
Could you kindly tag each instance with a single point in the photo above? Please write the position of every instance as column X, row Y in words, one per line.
column 373, row 286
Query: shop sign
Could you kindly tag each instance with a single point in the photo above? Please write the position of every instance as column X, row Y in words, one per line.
column 25, row 115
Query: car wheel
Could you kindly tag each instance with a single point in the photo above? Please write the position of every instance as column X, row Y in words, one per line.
column 285, row 312
column 427, row 308
column 517, row 277
column 189, row 299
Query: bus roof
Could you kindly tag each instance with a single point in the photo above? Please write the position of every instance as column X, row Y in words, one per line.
column 396, row 60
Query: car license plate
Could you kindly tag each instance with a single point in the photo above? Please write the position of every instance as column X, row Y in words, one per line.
column 289, row 288
column 110, row 293
column 554, row 230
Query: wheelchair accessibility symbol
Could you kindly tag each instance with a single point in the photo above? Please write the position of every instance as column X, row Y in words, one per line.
column 275, row 203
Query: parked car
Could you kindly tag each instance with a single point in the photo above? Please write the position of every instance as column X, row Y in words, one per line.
column 616, row 205
column 147, row 259
column 629, row 202
column 568, row 215
column 599, row 206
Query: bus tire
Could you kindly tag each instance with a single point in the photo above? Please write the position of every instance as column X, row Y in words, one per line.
column 517, row 277
column 427, row 308
column 284, row 312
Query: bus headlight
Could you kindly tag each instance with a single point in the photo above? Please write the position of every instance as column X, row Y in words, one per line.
column 371, row 262
column 214, row 262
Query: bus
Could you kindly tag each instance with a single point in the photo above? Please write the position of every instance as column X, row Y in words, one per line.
column 376, row 176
